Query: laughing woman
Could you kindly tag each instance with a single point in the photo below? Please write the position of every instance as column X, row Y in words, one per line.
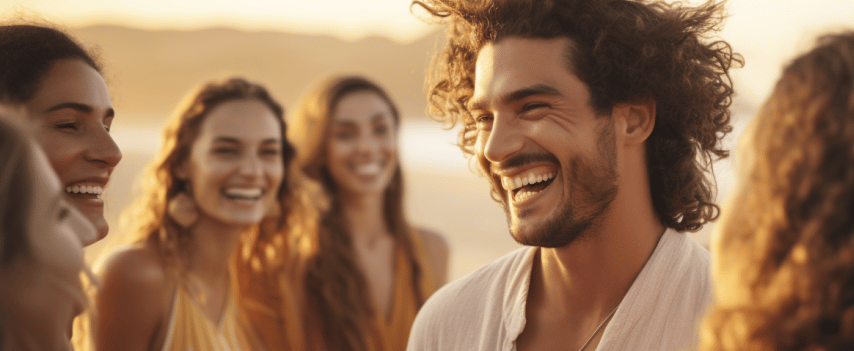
column 221, row 173
column 41, row 256
column 368, row 271
column 57, row 85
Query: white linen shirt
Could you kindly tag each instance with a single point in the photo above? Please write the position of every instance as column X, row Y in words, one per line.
column 485, row 310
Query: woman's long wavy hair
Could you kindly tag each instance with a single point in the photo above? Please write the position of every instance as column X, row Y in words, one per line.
column 623, row 51
column 148, row 217
column 340, row 306
column 785, row 260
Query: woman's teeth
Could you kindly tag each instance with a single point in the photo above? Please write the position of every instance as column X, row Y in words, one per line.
column 368, row 169
column 243, row 193
column 84, row 189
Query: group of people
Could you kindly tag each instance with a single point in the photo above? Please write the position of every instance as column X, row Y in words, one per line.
column 596, row 122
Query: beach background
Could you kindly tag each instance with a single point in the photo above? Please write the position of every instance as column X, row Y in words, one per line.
column 155, row 51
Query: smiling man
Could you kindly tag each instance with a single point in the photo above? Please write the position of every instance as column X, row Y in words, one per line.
column 596, row 122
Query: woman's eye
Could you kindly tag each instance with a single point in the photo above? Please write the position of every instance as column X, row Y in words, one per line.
column 225, row 151
column 70, row 126
column 381, row 129
column 345, row 135
column 270, row 152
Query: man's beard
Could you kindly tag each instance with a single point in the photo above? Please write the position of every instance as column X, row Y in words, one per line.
column 593, row 188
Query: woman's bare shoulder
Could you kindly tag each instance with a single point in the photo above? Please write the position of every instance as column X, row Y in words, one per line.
column 133, row 299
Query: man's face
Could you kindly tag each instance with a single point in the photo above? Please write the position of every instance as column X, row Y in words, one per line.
column 549, row 156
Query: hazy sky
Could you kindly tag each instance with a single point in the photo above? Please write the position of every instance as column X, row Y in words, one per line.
column 767, row 32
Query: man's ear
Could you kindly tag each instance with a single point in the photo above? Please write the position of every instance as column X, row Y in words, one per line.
column 639, row 117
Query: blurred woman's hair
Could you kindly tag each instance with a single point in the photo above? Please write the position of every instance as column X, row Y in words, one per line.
column 148, row 220
column 785, row 265
column 28, row 51
column 336, row 288
column 16, row 183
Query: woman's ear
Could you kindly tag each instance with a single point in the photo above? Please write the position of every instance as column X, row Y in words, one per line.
column 639, row 118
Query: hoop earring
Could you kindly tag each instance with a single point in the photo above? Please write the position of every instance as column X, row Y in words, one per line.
column 182, row 209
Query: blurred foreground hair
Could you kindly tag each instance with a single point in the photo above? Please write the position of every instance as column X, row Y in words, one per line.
column 785, row 260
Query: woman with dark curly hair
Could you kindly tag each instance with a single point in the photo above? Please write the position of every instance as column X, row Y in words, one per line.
column 221, row 181
column 784, row 258
column 58, row 86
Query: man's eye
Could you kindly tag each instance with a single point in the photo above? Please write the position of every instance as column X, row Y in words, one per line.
column 534, row 106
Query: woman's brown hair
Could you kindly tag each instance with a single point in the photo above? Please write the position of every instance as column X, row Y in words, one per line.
column 335, row 287
column 785, row 256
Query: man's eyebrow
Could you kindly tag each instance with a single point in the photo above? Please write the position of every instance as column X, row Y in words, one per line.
column 516, row 95
column 538, row 89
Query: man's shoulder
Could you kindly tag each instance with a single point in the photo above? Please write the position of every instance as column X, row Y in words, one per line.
column 491, row 275
column 463, row 307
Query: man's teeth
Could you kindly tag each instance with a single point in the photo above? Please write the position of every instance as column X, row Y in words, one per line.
column 84, row 189
column 526, row 179
column 242, row 193
column 369, row 169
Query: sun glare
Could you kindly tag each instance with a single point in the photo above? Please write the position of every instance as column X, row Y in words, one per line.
column 346, row 19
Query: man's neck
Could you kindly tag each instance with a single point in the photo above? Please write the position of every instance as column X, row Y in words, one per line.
column 575, row 288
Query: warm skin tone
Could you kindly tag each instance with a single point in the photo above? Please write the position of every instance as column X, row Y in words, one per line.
column 47, row 292
column 235, row 170
column 362, row 159
column 527, row 102
column 72, row 113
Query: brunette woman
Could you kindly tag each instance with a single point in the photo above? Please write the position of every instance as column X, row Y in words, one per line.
column 58, row 86
column 220, row 180
column 366, row 271
column 41, row 256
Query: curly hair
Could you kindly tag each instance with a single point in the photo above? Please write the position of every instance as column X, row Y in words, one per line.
column 787, row 251
column 148, row 215
column 623, row 51
column 335, row 286
column 28, row 51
